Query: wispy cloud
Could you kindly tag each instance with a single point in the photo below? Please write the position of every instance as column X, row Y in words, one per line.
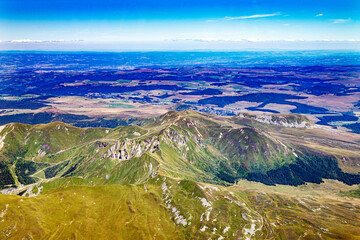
column 26, row 41
column 319, row 15
column 219, row 40
column 253, row 16
column 341, row 20
column 41, row 41
column 255, row 40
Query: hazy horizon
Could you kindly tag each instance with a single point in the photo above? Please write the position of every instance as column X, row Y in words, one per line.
column 178, row 25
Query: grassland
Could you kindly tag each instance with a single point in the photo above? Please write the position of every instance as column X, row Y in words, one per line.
column 165, row 208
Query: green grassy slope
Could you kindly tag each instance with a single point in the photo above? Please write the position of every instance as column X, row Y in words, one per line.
column 165, row 208
column 188, row 144
column 173, row 178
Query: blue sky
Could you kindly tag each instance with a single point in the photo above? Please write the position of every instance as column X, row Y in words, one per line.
column 177, row 23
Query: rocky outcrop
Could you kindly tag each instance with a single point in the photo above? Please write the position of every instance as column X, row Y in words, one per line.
column 128, row 149
column 290, row 120
column 174, row 138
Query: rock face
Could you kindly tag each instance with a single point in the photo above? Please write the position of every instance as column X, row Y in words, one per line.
column 128, row 149
column 284, row 120
column 174, row 138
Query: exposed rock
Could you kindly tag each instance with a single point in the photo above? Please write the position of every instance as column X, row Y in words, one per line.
column 128, row 149
column 41, row 153
column 174, row 138
column 290, row 120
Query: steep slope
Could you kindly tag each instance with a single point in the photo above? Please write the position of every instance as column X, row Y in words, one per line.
column 243, row 147
column 24, row 149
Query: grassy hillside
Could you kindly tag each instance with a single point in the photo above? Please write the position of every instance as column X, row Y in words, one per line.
column 165, row 208
column 179, row 176
column 188, row 145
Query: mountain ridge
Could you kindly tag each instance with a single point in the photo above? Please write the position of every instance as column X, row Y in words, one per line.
column 219, row 150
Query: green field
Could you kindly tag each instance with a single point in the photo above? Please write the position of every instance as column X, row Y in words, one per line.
column 120, row 105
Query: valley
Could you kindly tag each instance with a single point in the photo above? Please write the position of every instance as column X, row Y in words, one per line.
column 115, row 89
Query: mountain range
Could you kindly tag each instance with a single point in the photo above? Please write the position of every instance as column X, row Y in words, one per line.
column 182, row 175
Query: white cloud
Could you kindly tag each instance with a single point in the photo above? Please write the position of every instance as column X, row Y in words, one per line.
column 256, row 40
column 207, row 40
column 341, row 20
column 253, row 16
column 253, row 40
column 220, row 40
column 319, row 15
column 26, row 41
column 42, row 41
column 55, row 41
